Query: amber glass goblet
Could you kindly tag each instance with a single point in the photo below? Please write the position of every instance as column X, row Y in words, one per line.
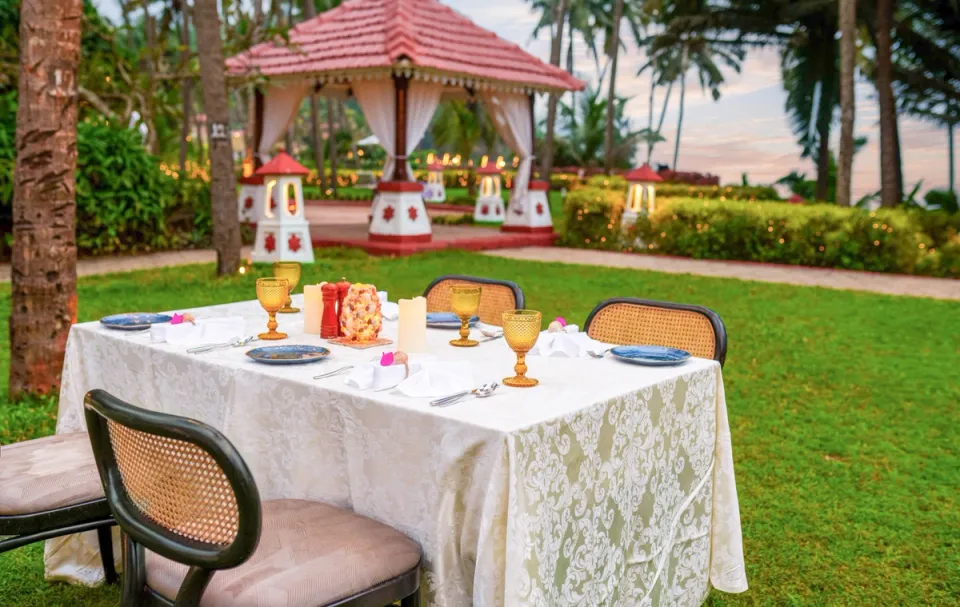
column 291, row 271
column 465, row 300
column 521, row 328
column 272, row 293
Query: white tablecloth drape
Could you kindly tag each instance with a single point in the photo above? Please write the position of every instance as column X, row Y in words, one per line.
column 608, row 484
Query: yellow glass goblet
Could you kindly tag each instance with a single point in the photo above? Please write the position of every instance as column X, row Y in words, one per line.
column 289, row 270
column 464, row 299
column 521, row 328
column 272, row 293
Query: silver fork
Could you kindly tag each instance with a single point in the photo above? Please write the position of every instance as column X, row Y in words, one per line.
column 228, row 344
column 600, row 354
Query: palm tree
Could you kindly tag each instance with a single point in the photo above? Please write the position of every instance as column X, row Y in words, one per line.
column 557, row 10
column 223, row 188
column 891, row 189
column 585, row 127
column 44, row 256
column 633, row 12
column 848, row 52
column 458, row 127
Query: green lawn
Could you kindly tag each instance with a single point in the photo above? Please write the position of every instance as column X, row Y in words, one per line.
column 843, row 407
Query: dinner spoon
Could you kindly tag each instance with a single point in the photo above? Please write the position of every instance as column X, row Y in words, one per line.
column 483, row 391
column 600, row 354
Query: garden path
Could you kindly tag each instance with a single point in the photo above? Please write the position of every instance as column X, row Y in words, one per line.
column 891, row 284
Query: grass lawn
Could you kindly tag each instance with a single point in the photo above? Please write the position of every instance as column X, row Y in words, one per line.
column 843, row 407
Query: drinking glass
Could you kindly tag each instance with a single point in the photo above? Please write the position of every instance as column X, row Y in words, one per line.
column 465, row 300
column 290, row 270
column 521, row 328
column 272, row 293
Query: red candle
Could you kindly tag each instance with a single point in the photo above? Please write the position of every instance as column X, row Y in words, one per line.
column 342, row 288
column 330, row 326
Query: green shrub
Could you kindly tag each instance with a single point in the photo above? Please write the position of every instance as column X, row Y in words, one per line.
column 592, row 218
column 680, row 190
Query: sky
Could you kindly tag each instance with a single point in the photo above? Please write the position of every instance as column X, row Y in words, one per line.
column 745, row 131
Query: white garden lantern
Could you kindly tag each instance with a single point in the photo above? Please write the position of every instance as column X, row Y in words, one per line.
column 283, row 233
column 489, row 207
column 433, row 189
column 640, row 193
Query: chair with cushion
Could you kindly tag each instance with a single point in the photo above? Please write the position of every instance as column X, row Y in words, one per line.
column 626, row 320
column 49, row 487
column 496, row 297
column 198, row 535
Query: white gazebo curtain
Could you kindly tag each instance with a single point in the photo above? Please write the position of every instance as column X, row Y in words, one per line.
column 377, row 99
column 511, row 116
column 280, row 105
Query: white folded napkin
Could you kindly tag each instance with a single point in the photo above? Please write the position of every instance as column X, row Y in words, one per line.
column 374, row 376
column 205, row 331
column 390, row 310
column 573, row 345
column 438, row 379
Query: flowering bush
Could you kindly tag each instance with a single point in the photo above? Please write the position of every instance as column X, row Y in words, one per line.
column 593, row 218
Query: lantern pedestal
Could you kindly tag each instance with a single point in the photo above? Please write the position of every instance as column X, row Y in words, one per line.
column 251, row 199
column 489, row 209
column 532, row 214
column 399, row 214
column 284, row 239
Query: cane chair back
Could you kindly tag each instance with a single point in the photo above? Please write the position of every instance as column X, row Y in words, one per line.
column 176, row 486
column 696, row 329
column 496, row 297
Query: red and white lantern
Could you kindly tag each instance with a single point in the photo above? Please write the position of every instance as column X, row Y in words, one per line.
column 250, row 201
column 283, row 233
column 641, row 194
column 490, row 207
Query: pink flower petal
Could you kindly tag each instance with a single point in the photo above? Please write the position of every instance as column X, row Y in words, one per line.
column 387, row 359
column 560, row 320
column 177, row 319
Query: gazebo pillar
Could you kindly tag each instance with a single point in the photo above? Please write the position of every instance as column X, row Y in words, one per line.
column 399, row 214
column 257, row 127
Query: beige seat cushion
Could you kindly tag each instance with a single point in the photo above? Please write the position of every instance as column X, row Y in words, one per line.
column 310, row 554
column 48, row 473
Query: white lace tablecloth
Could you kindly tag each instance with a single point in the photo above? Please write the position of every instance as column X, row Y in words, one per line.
column 608, row 484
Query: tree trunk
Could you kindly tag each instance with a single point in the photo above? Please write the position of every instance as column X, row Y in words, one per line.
column 223, row 186
column 848, row 52
column 252, row 152
column 44, row 255
column 889, row 194
column 149, row 109
column 186, row 85
column 614, row 52
column 683, row 90
column 557, row 45
column 899, row 159
column 316, row 133
column 573, row 94
column 951, row 155
column 823, row 163
column 332, row 139
column 663, row 113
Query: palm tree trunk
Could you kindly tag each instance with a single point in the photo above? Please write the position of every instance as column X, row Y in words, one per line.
column 613, row 50
column 332, row 139
column 663, row 113
column 951, row 156
column 823, row 162
column 186, row 85
column 223, row 186
column 683, row 90
column 309, row 12
column 44, row 256
column 149, row 111
column 848, row 52
column 573, row 94
column 557, row 45
column 889, row 194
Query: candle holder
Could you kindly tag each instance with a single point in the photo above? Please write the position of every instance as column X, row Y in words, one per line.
column 521, row 328
column 465, row 300
column 290, row 270
column 271, row 293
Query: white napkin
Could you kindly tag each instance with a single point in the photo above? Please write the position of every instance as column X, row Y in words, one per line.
column 205, row 331
column 390, row 310
column 438, row 379
column 573, row 345
column 373, row 376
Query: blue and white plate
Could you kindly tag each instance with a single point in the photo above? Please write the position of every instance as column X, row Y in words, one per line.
column 136, row 321
column 651, row 356
column 288, row 355
column 447, row 320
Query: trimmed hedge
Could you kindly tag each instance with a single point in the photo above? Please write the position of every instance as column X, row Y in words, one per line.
column 679, row 190
column 812, row 235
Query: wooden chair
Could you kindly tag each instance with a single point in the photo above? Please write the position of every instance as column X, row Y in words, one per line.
column 626, row 320
column 197, row 534
column 497, row 296
column 49, row 487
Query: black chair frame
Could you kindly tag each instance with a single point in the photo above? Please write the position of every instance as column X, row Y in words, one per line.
column 517, row 291
column 719, row 330
column 203, row 559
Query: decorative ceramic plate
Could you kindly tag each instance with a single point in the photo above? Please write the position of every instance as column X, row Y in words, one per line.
column 651, row 356
column 447, row 320
column 288, row 355
column 136, row 321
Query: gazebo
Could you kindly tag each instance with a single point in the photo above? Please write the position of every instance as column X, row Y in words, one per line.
column 399, row 59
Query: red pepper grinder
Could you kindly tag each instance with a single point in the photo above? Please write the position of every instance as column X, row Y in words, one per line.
column 330, row 325
column 342, row 288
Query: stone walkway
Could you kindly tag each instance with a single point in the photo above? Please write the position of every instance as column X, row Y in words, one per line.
column 891, row 284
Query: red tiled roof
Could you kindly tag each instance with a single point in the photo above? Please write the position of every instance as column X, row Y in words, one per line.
column 644, row 173
column 489, row 169
column 363, row 34
column 283, row 164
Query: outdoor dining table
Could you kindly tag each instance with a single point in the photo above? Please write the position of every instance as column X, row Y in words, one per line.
column 607, row 484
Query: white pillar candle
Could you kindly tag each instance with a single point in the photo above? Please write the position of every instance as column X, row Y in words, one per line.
column 312, row 308
column 412, row 334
